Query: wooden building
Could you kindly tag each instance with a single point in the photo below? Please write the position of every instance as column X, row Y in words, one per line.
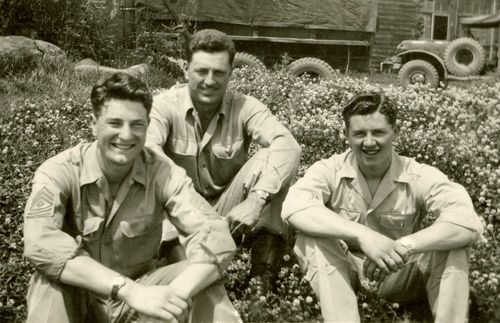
column 429, row 19
column 397, row 20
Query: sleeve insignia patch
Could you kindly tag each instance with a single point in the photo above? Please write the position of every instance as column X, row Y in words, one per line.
column 42, row 204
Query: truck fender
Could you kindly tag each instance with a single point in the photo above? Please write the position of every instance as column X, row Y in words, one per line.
column 422, row 54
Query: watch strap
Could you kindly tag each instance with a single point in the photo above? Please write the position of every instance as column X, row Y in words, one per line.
column 408, row 244
column 118, row 283
column 266, row 196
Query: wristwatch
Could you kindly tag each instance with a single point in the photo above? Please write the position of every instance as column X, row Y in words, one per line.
column 263, row 195
column 408, row 244
column 117, row 283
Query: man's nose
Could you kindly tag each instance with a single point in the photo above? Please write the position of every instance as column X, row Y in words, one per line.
column 125, row 132
column 209, row 80
column 369, row 141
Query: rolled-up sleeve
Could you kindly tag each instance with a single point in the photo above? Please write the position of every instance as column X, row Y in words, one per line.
column 46, row 246
column 203, row 233
column 448, row 201
column 284, row 151
column 312, row 190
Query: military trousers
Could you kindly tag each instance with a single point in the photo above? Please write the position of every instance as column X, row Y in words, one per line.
column 56, row 302
column 334, row 272
column 237, row 191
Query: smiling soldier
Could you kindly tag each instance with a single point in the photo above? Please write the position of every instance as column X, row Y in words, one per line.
column 359, row 215
column 207, row 129
column 93, row 224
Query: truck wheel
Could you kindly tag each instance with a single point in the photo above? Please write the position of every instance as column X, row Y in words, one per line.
column 418, row 72
column 245, row 59
column 464, row 57
column 313, row 66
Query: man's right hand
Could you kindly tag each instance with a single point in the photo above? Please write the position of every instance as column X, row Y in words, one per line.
column 382, row 254
column 156, row 302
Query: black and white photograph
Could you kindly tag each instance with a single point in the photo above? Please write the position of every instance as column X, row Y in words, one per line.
column 237, row 161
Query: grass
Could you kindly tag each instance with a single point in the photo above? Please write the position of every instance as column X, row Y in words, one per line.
column 51, row 85
column 55, row 81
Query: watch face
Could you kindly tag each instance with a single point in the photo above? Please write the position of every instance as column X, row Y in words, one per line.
column 264, row 195
column 119, row 281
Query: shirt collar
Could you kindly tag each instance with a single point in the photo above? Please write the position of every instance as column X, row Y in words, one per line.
column 91, row 171
column 396, row 172
column 188, row 106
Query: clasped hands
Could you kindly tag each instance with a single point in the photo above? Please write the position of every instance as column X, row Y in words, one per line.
column 384, row 256
column 158, row 303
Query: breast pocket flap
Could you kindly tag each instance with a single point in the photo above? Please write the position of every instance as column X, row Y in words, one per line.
column 91, row 225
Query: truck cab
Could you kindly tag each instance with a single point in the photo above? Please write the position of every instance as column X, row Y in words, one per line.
column 433, row 62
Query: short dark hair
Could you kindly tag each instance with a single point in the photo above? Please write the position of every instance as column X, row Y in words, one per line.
column 120, row 86
column 211, row 41
column 368, row 103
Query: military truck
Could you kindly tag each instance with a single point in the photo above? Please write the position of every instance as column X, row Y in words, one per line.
column 435, row 61
column 318, row 36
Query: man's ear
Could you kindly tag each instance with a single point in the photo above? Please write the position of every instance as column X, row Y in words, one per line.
column 396, row 129
column 346, row 132
column 93, row 124
column 346, row 135
column 185, row 69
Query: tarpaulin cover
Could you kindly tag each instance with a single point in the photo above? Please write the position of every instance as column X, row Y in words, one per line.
column 356, row 15
column 485, row 21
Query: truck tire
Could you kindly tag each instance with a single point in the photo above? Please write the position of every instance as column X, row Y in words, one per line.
column 245, row 59
column 456, row 60
column 418, row 72
column 311, row 65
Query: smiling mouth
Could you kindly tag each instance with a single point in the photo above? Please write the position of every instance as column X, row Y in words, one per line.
column 371, row 152
column 123, row 146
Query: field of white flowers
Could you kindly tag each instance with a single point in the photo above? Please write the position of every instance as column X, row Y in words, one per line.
column 454, row 129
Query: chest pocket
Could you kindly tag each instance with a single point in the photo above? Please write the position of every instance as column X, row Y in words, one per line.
column 181, row 147
column 397, row 224
column 91, row 235
column 140, row 238
column 228, row 160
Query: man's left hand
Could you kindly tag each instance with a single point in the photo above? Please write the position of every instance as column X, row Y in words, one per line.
column 394, row 260
column 246, row 213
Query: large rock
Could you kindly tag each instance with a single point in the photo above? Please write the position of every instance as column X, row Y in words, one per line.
column 88, row 65
column 19, row 46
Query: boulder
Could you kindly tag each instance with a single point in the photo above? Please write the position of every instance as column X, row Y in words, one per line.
column 88, row 65
column 22, row 47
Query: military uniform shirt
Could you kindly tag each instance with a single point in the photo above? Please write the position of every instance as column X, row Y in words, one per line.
column 407, row 193
column 71, row 212
column 213, row 159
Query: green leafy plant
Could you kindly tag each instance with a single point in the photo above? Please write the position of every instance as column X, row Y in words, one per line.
column 455, row 129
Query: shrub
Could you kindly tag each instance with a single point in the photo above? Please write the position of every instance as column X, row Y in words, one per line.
column 78, row 27
column 456, row 130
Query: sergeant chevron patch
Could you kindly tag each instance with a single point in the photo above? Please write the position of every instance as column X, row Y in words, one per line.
column 43, row 203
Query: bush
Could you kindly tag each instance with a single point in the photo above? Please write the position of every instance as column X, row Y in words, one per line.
column 456, row 130
column 78, row 27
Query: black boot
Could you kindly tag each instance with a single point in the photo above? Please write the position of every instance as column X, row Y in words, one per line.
column 266, row 254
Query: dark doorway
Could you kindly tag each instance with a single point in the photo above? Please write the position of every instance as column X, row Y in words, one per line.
column 440, row 28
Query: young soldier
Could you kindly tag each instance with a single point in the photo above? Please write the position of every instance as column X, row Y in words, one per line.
column 93, row 224
column 207, row 129
column 358, row 215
